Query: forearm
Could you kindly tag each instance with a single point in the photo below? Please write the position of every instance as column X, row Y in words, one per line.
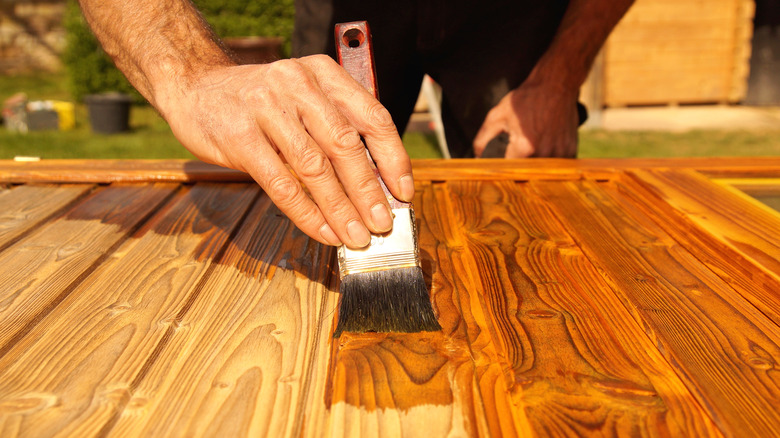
column 157, row 44
column 583, row 30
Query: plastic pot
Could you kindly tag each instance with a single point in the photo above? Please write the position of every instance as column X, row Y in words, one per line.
column 109, row 113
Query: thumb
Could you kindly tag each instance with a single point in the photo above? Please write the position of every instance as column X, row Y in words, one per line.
column 491, row 127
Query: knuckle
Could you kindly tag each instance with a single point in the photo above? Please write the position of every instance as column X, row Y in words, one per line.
column 320, row 59
column 291, row 72
column 379, row 116
column 338, row 207
column 367, row 185
column 313, row 164
column 345, row 137
column 259, row 95
column 285, row 188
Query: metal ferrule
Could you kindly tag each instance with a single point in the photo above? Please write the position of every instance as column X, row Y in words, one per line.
column 396, row 249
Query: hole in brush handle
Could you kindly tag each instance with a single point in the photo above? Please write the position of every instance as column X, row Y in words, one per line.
column 353, row 37
column 356, row 53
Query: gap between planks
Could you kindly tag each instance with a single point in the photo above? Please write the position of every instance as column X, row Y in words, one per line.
column 35, row 313
column 678, row 307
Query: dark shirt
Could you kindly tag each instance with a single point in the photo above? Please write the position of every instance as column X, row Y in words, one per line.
column 477, row 51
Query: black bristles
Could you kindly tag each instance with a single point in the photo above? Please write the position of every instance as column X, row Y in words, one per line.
column 391, row 300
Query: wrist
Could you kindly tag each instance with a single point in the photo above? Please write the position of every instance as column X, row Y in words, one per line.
column 172, row 81
column 556, row 75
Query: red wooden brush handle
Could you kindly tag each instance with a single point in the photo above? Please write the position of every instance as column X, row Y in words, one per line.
column 356, row 55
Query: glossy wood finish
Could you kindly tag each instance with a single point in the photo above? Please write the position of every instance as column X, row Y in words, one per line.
column 587, row 298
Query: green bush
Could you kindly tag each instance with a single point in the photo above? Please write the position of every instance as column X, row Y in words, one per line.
column 234, row 18
column 90, row 70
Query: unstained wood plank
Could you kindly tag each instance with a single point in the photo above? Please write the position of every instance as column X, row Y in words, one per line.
column 39, row 270
column 722, row 347
column 77, row 369
column 255, row 345
column 25, row 207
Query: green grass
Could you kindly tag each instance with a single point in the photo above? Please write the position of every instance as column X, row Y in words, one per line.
column 36, row 86
column 151, row 138
column 744, row 143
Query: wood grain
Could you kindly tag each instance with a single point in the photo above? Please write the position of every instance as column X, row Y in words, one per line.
column 574, row 359
column 24, row 207
column 391, row 384
column 104, row 171
column 719, row 344
column 706, row 216
column 577, row 298
column 253, row 376
column 660, row 52
column 40, row 270
column 77, row 369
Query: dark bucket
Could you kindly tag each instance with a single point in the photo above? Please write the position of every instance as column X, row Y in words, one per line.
column 109, row 113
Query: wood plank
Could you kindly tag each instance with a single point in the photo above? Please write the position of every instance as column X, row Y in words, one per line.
column 577, row 363
column 26, row 207
column 480, row 389
column 40, row 270
column 753, row 186
column 399, row 383
column 105, row 171
column 77, row 368
column 256, row 343
column 660, row 31
column 591, row 168
column 102, row 171
column 731, row 234
column 721, row 346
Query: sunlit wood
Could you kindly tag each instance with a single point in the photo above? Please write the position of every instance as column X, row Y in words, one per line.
column 577, row 298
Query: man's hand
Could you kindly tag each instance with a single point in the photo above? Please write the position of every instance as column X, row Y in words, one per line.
column 540, row 115
column 310, row 114
column 541, row 121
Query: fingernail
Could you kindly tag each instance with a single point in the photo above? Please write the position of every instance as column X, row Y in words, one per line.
column 358, row 233
column 407, row 188
column 381, row 217
column 327, row 234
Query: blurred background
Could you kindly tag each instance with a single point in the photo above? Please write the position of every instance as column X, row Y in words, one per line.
column 675, row 78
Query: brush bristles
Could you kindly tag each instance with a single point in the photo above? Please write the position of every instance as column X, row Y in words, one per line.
column 390, row 300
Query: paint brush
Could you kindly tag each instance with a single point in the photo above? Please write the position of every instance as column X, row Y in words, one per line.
column 382, row 285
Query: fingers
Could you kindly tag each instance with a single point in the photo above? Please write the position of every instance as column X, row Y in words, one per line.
column 493, row 125
column 502, row 119
column 326, row 153
column 287, row 193
column 362, row 111
column 280, row 113
column 314, row 169
column 341, row 143
column 519, row 147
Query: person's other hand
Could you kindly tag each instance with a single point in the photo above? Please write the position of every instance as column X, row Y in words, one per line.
column 541, row 121
column 310, row 114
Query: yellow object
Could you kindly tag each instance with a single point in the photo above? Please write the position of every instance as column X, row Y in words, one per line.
column 66, row 114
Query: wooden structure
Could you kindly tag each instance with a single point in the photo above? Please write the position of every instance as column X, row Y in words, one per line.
column 675, row 51
column 580, row 297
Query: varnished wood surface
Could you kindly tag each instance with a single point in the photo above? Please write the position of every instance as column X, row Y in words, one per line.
column 107, row 171
column 577, row 298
